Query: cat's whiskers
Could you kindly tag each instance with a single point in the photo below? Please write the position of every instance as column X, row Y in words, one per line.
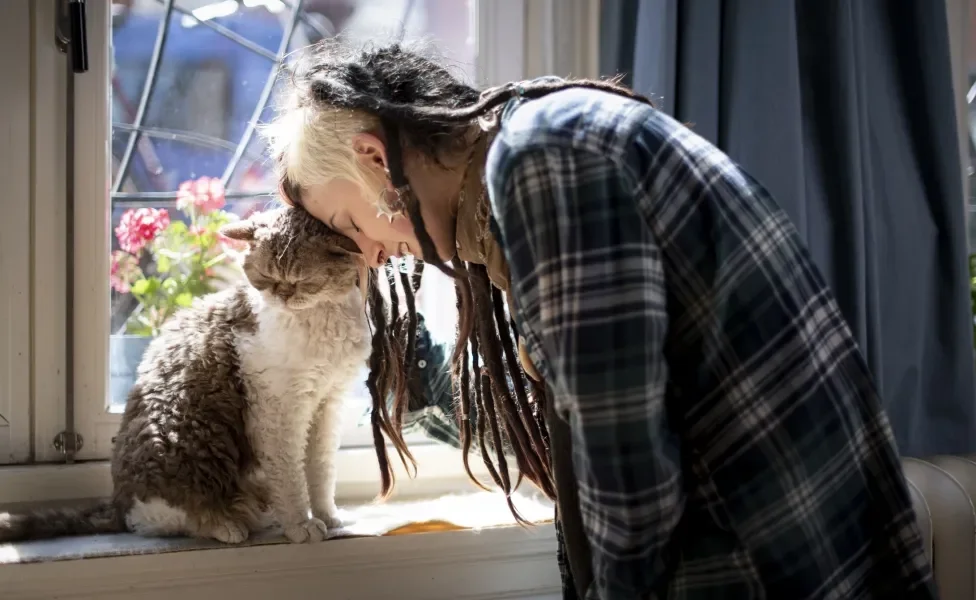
column 287, row 244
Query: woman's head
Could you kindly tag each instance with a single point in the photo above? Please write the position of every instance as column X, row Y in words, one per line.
column 333, row 158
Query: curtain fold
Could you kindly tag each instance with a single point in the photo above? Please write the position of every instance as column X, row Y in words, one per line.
column 845, row 112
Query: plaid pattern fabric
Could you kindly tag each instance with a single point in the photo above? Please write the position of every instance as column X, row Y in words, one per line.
column 728, row 440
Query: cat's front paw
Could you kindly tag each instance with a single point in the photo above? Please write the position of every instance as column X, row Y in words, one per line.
column 329, row 516
column 332, row 521
column 229, row 532
column 312, row 530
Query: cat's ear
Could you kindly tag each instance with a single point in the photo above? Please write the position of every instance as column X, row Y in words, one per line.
column 240, row 230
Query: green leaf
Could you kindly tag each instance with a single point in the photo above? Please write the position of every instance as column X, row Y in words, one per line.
column 145, row 289
column 138, row 325
column 177, row 228
column 215, row 260
column 167, row 253
column 163, row 264
column 140, row 287
column 219, row 217
column 183, row 299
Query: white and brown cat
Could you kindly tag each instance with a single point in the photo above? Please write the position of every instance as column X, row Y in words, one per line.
column 233, row 423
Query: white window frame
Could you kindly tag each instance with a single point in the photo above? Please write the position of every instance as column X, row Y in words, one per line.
column 48, row 248
column 15, row 238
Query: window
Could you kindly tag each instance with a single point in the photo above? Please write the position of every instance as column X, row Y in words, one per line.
column 186, row 120
column 186, row 116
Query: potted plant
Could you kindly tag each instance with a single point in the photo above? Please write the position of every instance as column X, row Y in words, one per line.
column 182, row 259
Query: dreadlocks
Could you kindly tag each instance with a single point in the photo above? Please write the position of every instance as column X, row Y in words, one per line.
column 420, row 105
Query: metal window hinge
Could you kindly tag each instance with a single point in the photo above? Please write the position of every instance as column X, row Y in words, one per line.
column 68, row 443
column 71, row 32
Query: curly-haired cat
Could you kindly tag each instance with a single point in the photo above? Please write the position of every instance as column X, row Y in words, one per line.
column 237, row 406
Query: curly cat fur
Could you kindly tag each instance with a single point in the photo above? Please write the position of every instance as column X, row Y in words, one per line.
column 234, row 419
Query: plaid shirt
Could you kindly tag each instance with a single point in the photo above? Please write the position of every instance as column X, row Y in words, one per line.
column 728, row 440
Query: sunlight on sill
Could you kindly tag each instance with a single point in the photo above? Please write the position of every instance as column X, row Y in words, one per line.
column 455, row 512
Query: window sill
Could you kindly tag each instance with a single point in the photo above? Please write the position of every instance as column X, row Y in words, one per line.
column 493, row 562
column 440, row 472
column 505, row 562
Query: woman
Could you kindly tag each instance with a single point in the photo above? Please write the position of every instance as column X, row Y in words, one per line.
column 688, row 390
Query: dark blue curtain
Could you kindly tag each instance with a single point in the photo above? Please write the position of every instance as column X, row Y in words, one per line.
column 845, row 111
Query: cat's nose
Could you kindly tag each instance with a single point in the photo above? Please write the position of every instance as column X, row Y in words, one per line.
column 284, row 290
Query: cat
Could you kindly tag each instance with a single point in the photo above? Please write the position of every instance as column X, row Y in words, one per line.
column 233, row 422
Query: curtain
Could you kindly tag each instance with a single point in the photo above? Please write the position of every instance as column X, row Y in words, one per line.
column 845, row 111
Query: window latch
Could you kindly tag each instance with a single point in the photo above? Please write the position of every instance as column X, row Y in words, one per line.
column 71, row 33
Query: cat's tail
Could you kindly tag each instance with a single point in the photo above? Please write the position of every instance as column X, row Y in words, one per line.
column 103, row 517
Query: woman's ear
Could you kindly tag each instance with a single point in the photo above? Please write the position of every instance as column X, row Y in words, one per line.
column 370, row 151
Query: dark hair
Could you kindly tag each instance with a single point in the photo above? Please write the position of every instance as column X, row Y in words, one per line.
column 422, row 106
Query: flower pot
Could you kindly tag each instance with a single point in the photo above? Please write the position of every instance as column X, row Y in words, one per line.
column 124, row 354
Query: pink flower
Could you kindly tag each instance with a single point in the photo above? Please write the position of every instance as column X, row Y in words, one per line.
column 138, row 227
column 124, row 268
column 204, row 195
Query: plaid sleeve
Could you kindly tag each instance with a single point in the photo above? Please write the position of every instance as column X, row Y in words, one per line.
column 588, row 281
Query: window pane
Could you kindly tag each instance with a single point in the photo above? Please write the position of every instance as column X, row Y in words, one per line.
column 216, row 60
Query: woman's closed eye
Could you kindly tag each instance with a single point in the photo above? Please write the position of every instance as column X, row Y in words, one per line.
column 335, row 227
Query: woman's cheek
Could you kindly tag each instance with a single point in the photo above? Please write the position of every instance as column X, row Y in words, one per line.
column 402, row 228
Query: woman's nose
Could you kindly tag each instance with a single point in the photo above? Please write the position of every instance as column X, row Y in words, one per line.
column 373, row 252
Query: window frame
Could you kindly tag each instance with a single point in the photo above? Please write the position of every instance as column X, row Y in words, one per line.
column 15, row 240
column 49, row 245
column 93, row 420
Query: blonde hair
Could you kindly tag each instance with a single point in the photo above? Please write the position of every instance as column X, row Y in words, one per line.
column 311, row 144
column 310, row 138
